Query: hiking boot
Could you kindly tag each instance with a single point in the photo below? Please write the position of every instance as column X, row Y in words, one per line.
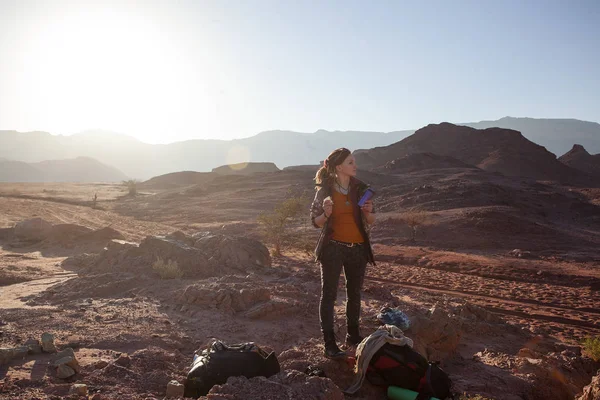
column 331, row 348
column 353, row 336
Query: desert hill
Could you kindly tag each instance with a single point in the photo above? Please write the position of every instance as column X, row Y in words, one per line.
column 176, row 179
column 494, row 149
column 312, row 168
column 580, row 159
column 80, row 169
column 186, row 178
column 421, row 161
column 556, row 135
column 245, row 168
column 19, row 171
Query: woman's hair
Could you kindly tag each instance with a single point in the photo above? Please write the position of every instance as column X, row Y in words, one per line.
column 326, row 174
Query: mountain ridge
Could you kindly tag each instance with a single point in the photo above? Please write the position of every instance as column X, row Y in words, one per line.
column 283, row 147
column 493, row 149
column 80, row 169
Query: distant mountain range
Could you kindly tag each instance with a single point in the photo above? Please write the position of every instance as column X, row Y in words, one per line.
column 556, row 135
column 284, row 148
column 80, row 169
column 141, row 160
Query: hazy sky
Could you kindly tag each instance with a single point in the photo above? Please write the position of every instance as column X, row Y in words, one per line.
column 175, row 70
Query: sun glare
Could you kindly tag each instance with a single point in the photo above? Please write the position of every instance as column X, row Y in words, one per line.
column 99, row 68
column 238, row 156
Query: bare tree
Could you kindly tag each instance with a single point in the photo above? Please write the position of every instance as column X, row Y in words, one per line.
column 414, row 218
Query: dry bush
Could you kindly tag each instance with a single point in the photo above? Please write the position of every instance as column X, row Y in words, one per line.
column 131, row 186
column 591, row 347
column 167, row 270
column 278, row 225
column 414, row 218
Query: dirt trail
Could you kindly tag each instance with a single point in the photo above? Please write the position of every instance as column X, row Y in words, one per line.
column 14, row 210
column 574, row 309
column 12, row 296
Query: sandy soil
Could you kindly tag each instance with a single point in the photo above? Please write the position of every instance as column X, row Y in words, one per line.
column 515, row 322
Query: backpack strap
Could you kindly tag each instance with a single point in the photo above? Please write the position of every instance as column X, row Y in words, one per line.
column 427, row 391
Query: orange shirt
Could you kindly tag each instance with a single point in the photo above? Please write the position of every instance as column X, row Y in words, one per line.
column 342, row 220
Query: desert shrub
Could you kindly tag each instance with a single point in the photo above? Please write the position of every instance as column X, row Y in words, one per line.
column 280, row 227
column 591, row 347
column 414, row 218
column 167, row 270
column 131, row 186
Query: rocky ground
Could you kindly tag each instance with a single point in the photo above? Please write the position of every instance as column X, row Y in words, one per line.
column 501, row 285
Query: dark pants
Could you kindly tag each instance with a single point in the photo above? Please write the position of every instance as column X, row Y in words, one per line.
column 354, row 261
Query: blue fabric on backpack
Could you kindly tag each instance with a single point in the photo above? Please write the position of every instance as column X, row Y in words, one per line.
column 393, row 316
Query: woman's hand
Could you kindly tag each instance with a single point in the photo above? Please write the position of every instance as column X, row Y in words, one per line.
column 328, row 206
column 367, row 208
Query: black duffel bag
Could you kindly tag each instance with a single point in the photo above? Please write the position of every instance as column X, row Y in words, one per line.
column 219, row 361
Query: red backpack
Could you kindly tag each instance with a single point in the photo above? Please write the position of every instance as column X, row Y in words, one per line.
column 402, row 366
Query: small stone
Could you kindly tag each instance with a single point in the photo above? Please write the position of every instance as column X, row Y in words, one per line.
column 67, row 357
column 34, row 346
column 48, row 343
column 64, row 371
column 79, row 389
column 100, row 364
column 174, row 389
column 68, row 352
column 6, row 354
column 97, row 396
column 21, row 351
column 526, row 353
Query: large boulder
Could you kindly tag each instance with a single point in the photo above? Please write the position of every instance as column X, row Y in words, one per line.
column 104, row 235
column 233, row 251
column 204, row 254
column 192, row 261
column 198, row 256
column 224, row 297
column 437, row 333
column 592, row 391
column 34, row 229
column 6, row 233
column 68, row 232
column 72, row 234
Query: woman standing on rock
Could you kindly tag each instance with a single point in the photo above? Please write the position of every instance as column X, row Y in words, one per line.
column 344, row 242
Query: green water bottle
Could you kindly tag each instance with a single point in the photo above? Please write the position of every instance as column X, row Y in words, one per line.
column 398, row 393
